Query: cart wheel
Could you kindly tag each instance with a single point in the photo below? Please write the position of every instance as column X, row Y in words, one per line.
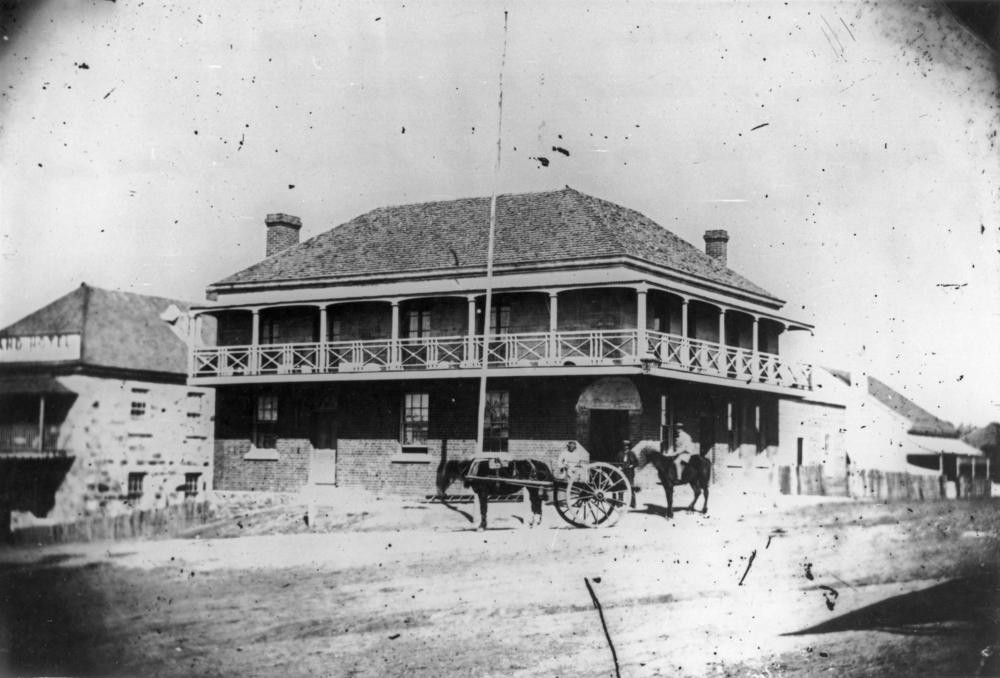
column 597, row 498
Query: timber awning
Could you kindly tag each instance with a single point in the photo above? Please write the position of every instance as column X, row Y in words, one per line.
column 934, row 454
column 918, row 444
column 31, row 384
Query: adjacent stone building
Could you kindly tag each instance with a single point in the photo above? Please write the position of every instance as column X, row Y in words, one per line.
column 95, row 414
column 354, row 357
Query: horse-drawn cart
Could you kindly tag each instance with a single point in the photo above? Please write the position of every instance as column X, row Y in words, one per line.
column 590, row 495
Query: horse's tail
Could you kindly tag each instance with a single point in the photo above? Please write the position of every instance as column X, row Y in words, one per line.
column 706, row 469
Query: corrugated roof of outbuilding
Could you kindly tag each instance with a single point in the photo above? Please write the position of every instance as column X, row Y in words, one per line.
column 921, row 421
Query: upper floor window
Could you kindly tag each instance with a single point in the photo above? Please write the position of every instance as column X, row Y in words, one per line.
column 138, row 407
column 270, row 331
column 415, row 419
column 500, row 319
column 265, row 422
column 194, row 409
column 496, row 424
column 418, row 323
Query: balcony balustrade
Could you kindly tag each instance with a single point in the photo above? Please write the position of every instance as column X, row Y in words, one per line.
column 540, row 349
column 23, row 438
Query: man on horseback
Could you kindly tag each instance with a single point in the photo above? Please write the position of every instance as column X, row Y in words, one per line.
column 683, row 448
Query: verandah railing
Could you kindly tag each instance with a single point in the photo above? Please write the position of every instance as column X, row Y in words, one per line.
column 538, row 349
column 24, row 438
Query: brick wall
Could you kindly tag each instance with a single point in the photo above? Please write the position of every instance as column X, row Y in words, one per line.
column 604, row 309
column 528, row 312
column 543, row 417
column 362, row 320
column 236, row 469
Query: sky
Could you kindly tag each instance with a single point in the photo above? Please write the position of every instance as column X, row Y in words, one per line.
column 849, row 148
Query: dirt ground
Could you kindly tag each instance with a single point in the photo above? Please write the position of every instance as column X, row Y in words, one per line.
column 393, row 588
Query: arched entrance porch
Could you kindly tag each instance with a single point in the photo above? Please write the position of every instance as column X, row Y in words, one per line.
column 608, row 414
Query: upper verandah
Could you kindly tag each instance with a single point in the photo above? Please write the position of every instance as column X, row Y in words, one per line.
column 449, row 238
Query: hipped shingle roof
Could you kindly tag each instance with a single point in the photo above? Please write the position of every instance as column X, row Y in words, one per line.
column 118, row 329
column 551, row 227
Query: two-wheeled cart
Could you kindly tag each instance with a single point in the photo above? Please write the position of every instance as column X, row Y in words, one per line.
column 589, row 495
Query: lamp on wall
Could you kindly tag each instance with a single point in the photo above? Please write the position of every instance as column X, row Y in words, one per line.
column 648, row 362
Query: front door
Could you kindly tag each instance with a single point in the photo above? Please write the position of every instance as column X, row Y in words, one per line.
column 608, row 432
column 323, row 464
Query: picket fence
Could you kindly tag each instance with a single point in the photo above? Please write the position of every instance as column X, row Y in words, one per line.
column 170, row 521
column 877, row 485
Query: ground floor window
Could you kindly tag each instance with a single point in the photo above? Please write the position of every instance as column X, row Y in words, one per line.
column 265, row 422
column 416, row 418
column 496, row 424
column 135, row 483
column 191, row 484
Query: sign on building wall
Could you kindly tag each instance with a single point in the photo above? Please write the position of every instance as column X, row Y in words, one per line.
column 40, row 348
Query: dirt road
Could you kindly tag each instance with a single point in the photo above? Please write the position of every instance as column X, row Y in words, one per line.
column 394, row 589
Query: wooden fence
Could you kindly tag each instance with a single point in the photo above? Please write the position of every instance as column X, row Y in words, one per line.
column 166, row 522
column 877, row 485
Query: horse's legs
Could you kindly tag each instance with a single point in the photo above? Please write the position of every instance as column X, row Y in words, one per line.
column 536, row 506
column 704, row 507
column 668, row 488
column 697, row 493
column 481, row 494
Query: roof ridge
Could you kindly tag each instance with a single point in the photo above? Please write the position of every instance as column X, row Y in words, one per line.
column 467, row 197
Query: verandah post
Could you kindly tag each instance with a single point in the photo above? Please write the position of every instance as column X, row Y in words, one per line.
column 394, row 357
column 553, row 343
column 685, row 346
column 253, row 359
column 722, row 341
column 470, row 340
column 642, row 349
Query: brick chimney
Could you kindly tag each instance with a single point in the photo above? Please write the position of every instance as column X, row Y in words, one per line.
column 715, row 244
column 282, row 232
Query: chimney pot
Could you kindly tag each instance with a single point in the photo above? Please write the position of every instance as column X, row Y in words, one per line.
column 282, row 232
column 715, row 244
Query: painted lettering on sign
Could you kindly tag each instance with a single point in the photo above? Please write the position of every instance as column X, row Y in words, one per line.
column 40, row 348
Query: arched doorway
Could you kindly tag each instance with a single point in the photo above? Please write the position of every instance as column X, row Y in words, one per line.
column 608, row 412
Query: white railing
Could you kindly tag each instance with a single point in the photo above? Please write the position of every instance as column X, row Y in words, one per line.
column 537, row 349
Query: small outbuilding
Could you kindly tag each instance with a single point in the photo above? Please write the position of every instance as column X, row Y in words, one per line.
column 851, row 434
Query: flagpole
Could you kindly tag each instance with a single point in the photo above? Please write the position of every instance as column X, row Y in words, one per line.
column 487, row 308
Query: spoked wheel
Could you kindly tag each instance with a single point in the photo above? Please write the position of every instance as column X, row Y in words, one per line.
column 597, row 497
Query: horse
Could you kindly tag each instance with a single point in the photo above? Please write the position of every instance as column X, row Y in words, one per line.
column 697, row 473
column 450, row 470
